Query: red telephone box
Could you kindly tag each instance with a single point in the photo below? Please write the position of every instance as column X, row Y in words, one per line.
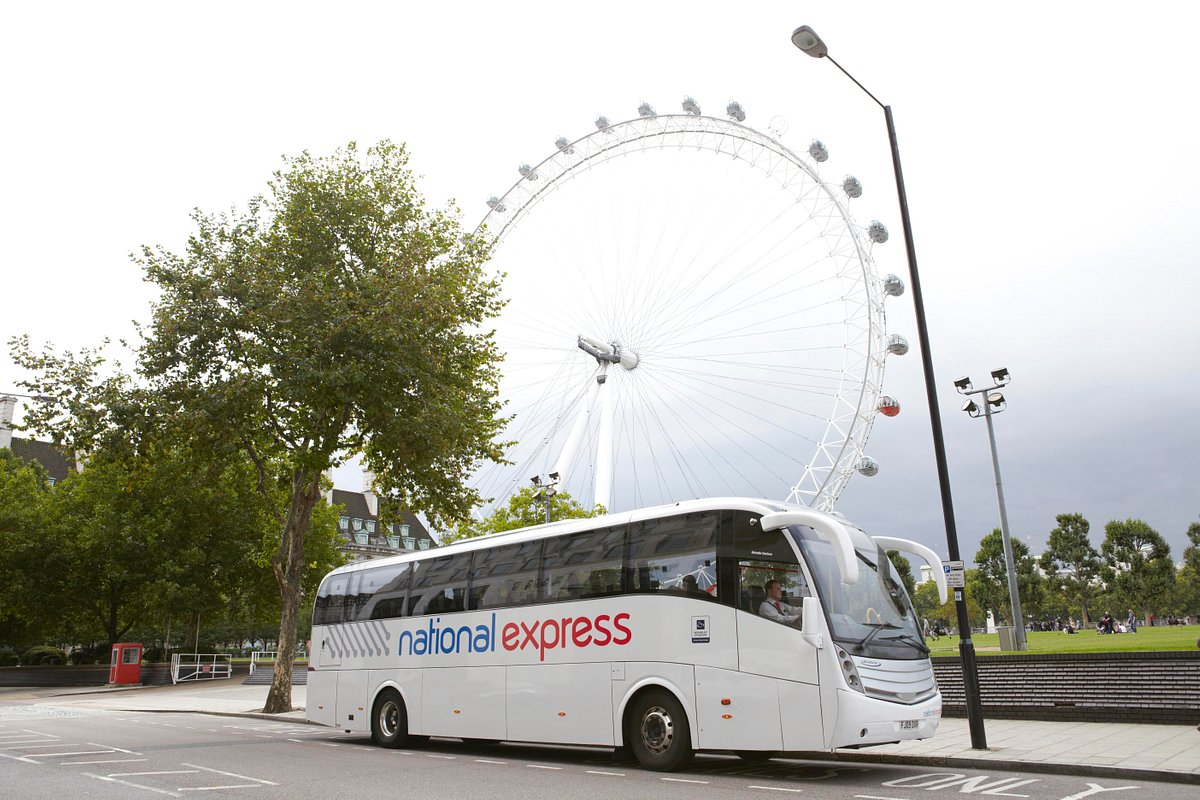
column 126, row 665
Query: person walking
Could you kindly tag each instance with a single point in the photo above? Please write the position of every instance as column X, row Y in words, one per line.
column 1131, row 623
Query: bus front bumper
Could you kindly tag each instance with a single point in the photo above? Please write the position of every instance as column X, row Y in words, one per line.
column 864, row 721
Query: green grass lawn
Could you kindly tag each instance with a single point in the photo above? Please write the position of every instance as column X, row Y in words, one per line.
column 1176, row 637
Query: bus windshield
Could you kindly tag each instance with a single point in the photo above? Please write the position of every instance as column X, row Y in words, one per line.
column 873, row 617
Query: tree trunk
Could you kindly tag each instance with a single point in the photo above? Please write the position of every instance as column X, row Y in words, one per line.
column 288, row 565
column 191, row 642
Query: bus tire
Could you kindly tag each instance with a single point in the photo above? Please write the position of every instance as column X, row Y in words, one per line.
column 389, row 720
column 657, row 731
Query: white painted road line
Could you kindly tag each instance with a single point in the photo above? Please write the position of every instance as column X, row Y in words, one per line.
column 214, row 788
column 601, row 772
column 435, row 755
column 487, row 761
column 134, row 785
column 262, row 781
column 103, row 761
column 682, row 780
column 775, row 789
column 156, row 772
column 541, row 766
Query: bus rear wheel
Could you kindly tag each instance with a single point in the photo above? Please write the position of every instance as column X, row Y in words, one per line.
column 389, row 720
column 657, row 731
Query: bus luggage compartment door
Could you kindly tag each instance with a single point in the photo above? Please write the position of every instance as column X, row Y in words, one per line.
column 736, row 711
column 560, row 703
column 321, row 697
column 352, row 711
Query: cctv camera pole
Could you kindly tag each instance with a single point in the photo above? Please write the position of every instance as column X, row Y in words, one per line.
column 807, row 40
column 1014, row 597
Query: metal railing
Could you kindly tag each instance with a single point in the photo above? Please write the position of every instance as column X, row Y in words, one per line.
column 264, row 657
column 200, row 667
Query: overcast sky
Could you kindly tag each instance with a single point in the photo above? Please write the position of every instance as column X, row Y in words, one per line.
column 1049, row 153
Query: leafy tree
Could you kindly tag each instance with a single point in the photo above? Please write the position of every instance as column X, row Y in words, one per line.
column 1138, row 565
column 991, row 589
column 1187, row 579
column 1071, row 563
column 522, row 511
column 904, row 570
column 337, row 315
column 925, row 601
column 25, row 497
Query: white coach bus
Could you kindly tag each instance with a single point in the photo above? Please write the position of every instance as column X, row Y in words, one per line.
column 726, row 624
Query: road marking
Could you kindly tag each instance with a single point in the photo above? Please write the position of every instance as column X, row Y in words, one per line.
column 157, row 772
column 44, row 744
column 601, row 772
column 875, row 797
column 103, row 761
column 775, row 789
column 131, row 783
column 262, row 781
column 214, row 788
column 435, row 755
column 682, row 780
column 541, row 766
column 487, row 761
column 75, row 753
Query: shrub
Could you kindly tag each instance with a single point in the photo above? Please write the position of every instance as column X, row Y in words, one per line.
column 84, row 655
column 43, row 654
column 8, row 659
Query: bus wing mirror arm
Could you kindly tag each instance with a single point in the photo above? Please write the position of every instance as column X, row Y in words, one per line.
column 827, row 526
column 917, row 549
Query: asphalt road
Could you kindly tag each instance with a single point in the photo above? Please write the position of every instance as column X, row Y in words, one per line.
column 46, row 753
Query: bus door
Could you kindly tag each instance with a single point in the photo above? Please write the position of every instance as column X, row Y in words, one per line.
column 773, row 587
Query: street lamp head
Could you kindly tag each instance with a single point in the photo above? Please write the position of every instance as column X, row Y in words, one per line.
column 1001, row 376
column 971, row 408
column 536, row 480
column 554, row 477
column 996, row 400
column 807, row 40
column 963, row 384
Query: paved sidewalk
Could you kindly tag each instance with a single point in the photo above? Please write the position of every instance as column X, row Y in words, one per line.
column 1145, row 752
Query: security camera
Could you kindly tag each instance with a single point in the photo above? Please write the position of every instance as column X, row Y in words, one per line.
column 963, row 384
column 1001, row 376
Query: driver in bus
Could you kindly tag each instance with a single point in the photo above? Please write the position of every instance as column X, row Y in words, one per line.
column 774, row 607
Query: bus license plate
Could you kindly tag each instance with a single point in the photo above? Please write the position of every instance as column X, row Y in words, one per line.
column 909, row 724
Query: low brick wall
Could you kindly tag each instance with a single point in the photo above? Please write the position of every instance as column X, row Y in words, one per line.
column 1160, row 687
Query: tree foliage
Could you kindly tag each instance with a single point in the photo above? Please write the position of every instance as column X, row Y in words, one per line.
column 25, row 497
column 904, row 570
column 1072, row 564
column 1137, row 565
column 991, row 587
column 522, row 511
column 336, row 315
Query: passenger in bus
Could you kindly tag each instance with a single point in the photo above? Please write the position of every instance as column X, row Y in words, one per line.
column 690, row 586
column 774, row 607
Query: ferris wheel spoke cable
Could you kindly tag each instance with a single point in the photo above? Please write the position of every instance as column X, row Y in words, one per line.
column 715, row 378
column 703, row 442
column 759, row 398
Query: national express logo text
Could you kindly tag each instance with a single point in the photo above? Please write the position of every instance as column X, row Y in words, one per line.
column 540, row 635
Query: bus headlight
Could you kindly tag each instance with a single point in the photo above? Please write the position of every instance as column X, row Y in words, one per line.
column 849, row 672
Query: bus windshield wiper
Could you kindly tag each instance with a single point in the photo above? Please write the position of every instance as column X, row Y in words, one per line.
column 924, row 648
column 876, row 628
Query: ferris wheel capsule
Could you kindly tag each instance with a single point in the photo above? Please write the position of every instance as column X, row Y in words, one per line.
column 893, row 285
column 877, row 231
column 897, row 345
column 818, row 150
column 889, row 406
column 852, row 186
column 735, row 111
column 690, row 106
column 495, row 205
column 563, row 145
column 646, row 110
column 527, row 172
column 602, row 123
column 867, row 466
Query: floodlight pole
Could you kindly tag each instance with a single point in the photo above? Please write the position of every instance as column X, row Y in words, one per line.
column 807, row 40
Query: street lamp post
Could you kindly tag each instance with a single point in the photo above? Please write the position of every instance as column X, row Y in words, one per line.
column 807, row 40
column 993, row 402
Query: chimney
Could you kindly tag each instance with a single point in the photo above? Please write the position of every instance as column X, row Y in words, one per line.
column 369, row 492
column 8, row 404
column 328, row 475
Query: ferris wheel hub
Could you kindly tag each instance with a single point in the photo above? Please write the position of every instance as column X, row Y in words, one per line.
column 608, row 352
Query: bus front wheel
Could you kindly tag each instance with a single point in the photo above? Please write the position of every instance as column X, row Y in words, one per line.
column 658, row 731
column 389, row 721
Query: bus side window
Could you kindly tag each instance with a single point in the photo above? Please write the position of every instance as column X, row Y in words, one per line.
column 505, row 576
column 675, row 554
column 440, row 585
column 331, row 598
column 391, row 588
column 585, row 564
